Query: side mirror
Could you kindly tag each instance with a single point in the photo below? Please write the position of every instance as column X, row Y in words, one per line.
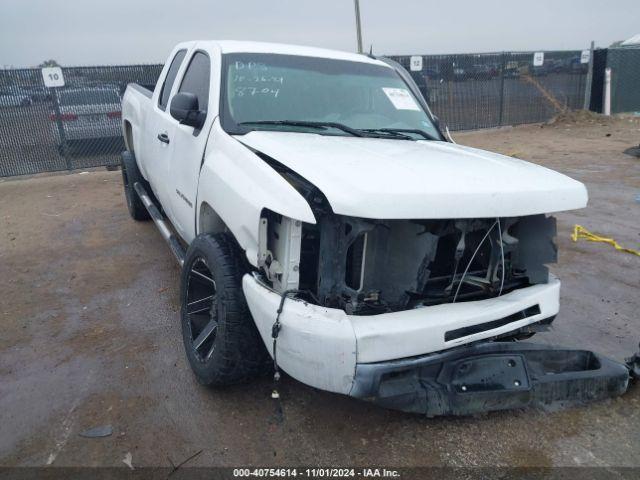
column 184, row 108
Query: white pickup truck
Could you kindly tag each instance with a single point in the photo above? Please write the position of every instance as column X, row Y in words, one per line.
column 327, row 226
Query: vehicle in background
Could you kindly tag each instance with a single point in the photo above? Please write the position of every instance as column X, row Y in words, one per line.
column 482, row 72
column 14, row 99
column 576, row 67
column 555, row 66
column 512, row 70
column 87, row 114
column 431, row 73
column 533, row 70
column 459, row 74
column 38, row 94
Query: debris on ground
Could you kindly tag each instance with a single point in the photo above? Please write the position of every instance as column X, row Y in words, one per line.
column 633, row 151
column 581, row 118
column 176, row 467
column 579, row 232
column 634, row 365
column 98, row 432
column 578, row 116
column 127, row 460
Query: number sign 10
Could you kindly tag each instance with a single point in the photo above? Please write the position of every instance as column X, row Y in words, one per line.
column 52, row 77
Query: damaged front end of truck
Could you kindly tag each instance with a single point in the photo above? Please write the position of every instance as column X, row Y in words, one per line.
column 483, row 282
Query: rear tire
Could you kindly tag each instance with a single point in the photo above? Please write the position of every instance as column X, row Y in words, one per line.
column 130, row 176
column 221, row 341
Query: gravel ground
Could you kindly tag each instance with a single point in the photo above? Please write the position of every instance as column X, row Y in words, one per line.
column 91, row 336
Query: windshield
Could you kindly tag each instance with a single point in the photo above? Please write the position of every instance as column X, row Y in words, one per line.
column 272, row 88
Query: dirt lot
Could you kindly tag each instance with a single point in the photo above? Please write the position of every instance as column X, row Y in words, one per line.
column 91, row 336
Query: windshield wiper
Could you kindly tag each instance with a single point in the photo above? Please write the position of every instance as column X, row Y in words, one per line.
column 356, row 132
column 386, row 133
column 401, row 131
column 302, row 123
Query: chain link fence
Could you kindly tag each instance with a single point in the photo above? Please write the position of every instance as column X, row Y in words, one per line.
column 75, row 126
column 78, row 125
column 624, row 63
column 472, row 91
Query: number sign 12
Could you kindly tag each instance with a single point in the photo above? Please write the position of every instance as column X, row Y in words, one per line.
column 416, row 63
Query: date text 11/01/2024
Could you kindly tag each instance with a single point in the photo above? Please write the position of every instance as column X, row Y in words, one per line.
column 316, row 472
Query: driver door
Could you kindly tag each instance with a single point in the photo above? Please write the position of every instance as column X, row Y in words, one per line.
column 189, row 145
column 159, row 130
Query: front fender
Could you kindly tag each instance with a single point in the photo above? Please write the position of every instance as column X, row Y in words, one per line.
column 238, row 185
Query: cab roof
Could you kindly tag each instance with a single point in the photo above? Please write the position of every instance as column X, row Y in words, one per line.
column 235, row 46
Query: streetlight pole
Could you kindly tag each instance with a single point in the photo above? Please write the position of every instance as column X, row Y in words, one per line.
column 358, row 27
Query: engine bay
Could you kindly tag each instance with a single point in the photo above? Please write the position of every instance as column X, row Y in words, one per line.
column 366, row 267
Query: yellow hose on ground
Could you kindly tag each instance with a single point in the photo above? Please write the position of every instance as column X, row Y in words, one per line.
column 579, row 232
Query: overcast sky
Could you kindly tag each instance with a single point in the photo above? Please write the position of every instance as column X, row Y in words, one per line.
column 94, row 32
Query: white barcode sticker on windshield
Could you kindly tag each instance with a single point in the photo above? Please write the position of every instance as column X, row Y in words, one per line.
column 401, row 98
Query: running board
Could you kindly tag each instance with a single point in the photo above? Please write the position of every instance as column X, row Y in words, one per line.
column 158, row 219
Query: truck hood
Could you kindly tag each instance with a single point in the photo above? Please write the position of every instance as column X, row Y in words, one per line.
column 400, row 179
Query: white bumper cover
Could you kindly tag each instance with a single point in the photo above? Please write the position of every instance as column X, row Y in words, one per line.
column 321, row 346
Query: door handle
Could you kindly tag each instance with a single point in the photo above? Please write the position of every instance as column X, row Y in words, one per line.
column 163, row 137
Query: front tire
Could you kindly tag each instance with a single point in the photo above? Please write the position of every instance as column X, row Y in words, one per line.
column 221, row 341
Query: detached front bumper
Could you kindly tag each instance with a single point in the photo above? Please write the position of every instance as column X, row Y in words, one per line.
column 420, row 361
column 491, row 376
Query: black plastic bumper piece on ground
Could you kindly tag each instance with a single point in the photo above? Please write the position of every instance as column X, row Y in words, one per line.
column 634, row 365
column 491, row 376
